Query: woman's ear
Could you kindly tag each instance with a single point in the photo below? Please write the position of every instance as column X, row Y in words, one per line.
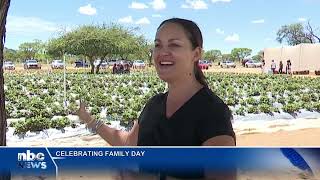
column 197, row 54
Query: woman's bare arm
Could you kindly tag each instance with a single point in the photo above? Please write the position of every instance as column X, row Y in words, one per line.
column 113, row 136
column 119, row 138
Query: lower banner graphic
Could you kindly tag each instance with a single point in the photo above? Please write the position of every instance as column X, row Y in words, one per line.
column 160, row 163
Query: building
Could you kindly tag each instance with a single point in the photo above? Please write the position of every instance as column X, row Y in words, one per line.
column 303, row 57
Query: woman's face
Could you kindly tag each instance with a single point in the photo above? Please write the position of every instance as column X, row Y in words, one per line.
column 173, row 54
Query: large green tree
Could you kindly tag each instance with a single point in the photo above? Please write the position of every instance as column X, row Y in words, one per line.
column 31, row 50
column 10, row 54
column 258, row 57
column 226, row 57
column 85, row 40
column 100, row 42
column 213, row 55
column 240, row 53
column 56, row 47
column 4, row 7
column 294, row 34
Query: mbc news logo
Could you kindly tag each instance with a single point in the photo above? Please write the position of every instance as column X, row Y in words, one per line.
column 31, row 160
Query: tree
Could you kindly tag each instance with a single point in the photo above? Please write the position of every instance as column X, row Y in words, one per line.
column 87, row 41
column 31, row 50
column 4, row 7
column 226, row 56
column 258, row 57
column 295, row 34
column 213, row 55
column 312, row 36
column 56, row 47
column 10, row 54
column 240, row 53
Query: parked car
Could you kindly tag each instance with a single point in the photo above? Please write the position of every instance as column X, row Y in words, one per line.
column 81, row 63
column 139, row 64
column 203, row 64
column 227, row 64
column 31, row 64
column 8, row 65
column 57, row 64
column 253, row 64
column 103, row 64
column 112, row 62
column 208, row 62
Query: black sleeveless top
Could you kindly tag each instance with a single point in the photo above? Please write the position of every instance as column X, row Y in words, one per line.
column 202, row 117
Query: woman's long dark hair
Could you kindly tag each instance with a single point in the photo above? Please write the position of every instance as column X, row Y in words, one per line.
column 195, row 36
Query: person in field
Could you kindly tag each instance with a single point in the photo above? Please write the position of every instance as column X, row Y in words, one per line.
column 189, row 113
column 273, row 67
column 288, row 67
column 280, row 67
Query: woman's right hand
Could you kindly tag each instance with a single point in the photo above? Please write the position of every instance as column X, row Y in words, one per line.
column 83, row 114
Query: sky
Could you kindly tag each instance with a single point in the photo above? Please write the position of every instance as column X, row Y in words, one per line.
column 225, row 24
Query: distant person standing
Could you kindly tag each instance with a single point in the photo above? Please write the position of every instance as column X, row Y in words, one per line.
column 288, row 67
column 273, row 67
column 280, row 67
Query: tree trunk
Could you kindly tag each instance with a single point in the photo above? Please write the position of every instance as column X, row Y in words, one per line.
column 98, row 66
column 4, row 6
column 92, row 65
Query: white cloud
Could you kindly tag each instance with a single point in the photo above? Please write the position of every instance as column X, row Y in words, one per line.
column 87, row 10
column 195, row 4
column 216, row 1
column 219, row 31
column 137, row 5
column 301, row 19
column 233, row 38
column 156, row 15
column 158, row 4
column 258, row 21
column 143, row 20
column 127, row 19
column 29, row 25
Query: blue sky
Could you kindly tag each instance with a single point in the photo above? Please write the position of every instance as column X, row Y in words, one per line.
column 225, row 24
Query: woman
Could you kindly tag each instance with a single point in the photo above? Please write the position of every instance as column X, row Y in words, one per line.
column 189, row 114
column 280, row 67
column 288, row 67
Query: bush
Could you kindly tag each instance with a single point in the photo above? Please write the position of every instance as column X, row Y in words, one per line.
column 265, row 100
column 309, row 106
column 290, row 108
column 20, row 128
column 253, row 109
column 282, row 100
column 275, row 109
column 33, row 125
column 240, row 111
column 252, row 101
column 243, row 102
column 13, row 124
column 265, row 108
column 306, row 98
column 60, row 123
column 231, row 101
column 317, row 106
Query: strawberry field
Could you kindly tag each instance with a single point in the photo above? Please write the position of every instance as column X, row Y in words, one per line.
column 36, row 101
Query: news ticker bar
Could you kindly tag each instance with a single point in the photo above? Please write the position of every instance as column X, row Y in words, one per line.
column 50, row 161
